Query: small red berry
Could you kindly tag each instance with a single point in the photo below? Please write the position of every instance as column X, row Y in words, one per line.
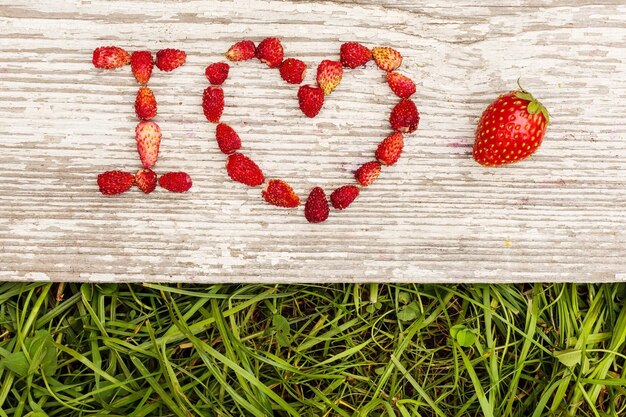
column 292, row 70
column 367, row 173
column 213, row 103
column 329, row 74
column 115, row 182
column 145, row 104
column 316, row 208
column 176, row 182
column 342, row 197
column 404, row 117
column 279, row 193
column 227, row 139
column 170, row 59
column 110, row 57
column 217, row 73
column 141, row 63
column 311, row 100
column 390, row 149
column 243, row 169
column 401, row 85
column 270, row 51
column 387, row 59
column 146, row 180
column 354, row 54
column 241, row 51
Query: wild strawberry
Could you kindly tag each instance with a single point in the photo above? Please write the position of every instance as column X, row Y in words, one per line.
column 401, row 85
column 141, row 63
column 390, row 149
column 176, row 182
column 170, row 59
column 387, row 59
column 310, row 99
column 213, row 103
column 115, row 182
column 270, row 51
column 342, row 197
column 404, row 117
column 367, row 173
column 148, row 136
column 241, row 51
column 354, row 54
column 110, row 57
column 145, row 104
column 279, row 193
column 217, row 73
column 316, row 207
column 510, row 129
column 329, row 75
column 292, row 70
column 146, row 180
column 227, row 139
column 243, row 169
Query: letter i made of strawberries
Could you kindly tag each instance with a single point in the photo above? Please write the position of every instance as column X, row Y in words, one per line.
column 147, row 133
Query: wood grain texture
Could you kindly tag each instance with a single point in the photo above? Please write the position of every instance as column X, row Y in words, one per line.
column 434, row 216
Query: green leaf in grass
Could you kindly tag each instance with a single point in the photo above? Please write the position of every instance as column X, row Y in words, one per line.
column 409, row 312
column 568, row 357
column 404, row 297
column 15, row 362
column 42, row 352
column 464, row 336
column 282, row 329
column 371, row 308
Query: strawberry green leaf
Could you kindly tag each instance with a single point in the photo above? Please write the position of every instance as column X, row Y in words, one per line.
column 546, row 114
column 524, row 95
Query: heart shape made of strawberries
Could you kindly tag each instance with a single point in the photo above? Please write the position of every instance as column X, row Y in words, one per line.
column 404, row 118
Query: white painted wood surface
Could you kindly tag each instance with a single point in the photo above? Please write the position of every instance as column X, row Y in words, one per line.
column 434, row 216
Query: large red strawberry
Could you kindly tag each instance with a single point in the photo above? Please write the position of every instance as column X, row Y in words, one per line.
column 311, row 100
column 241, row 51
column 176, row 182
column 170, row 59
column 367, row 173
column 217, row 73
column 110, row 57
column 270, row 51
column 329, row 75
column 115, row 182
column 146, row 180
column 316, row 208
column 354, row 54
column 145, row 104
column 342, row 197
column 390, row 148
column 404, row 117
column 227, row 139
column 148, row 136
column 141, row 63
column 401, row 85
column 243, row 169
column 510, row 129
column 279, row 193
column 213, row 103
column 292, row 70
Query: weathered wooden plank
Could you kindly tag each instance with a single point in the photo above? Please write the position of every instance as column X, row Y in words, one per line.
column 434, row 216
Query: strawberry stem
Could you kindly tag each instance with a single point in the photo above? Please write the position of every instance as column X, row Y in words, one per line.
column 534, row 105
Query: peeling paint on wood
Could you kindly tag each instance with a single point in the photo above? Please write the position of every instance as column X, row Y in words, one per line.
column 434, row 216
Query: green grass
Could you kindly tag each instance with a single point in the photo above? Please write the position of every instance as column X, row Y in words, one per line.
column 332, row 350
